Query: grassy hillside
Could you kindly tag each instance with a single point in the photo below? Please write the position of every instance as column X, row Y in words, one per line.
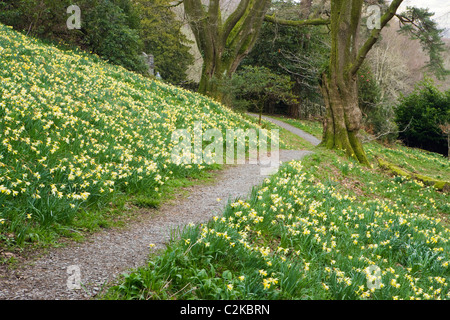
column 322, row 228
column 77, row 132
column 417, row 161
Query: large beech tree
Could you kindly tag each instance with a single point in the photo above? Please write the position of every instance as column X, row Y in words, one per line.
column 223, row 42
column 339, row 85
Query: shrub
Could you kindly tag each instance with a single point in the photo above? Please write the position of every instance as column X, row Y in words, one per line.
column 162, row 36
column 378, row 114
column 369, row 92
column 423, row 111
column 252, row 87
column 109, row 28
column 108, row 34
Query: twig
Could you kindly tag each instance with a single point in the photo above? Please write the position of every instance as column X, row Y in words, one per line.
column 386, row 133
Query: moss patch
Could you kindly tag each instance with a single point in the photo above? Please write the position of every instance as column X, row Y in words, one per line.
column 438, row 184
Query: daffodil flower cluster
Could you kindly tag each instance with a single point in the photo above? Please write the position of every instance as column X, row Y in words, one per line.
column 296, row 230
column 75, row 130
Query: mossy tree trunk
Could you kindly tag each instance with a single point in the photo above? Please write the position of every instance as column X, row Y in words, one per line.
column 223, row 43
column 339, row 88
column 343, row 118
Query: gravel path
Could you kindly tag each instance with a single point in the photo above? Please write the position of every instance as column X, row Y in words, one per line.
column 110, row 252
column 308, row 137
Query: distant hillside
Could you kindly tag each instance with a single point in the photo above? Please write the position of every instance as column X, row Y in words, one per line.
column 399, row 68
column 444, row 21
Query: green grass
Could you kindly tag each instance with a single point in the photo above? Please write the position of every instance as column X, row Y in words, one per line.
column 309, row 232
column 294, row 142
column 79, row 135
column 86, row 144
column 413, row 160
column 314, row 128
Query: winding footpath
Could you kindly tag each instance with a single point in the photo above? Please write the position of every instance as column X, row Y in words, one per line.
column 302, row 134
column 108, row 253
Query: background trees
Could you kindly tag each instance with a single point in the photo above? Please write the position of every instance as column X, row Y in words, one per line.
column 299, row 53
column 417, row 23
column 340, row 70
column 253, row 87
column 116, row 30
column 161, row 35
column 109, row 28
column 426, row 111
column 339, row 85
column 223, row 39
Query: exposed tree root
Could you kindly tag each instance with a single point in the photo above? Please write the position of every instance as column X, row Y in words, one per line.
column 429, row 181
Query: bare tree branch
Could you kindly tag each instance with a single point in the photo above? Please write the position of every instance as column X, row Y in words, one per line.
column 373, row 38
column 297, row 23
column 388, row 132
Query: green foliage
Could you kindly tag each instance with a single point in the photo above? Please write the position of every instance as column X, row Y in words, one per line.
column 108, row 34
column 381, row 123
column 418, row 24
column 423, row 111
column 40, row 18
column 378, row 115
column 116, row 30
column 109, row 28
column 252, row 87
column 162, row 36
column 369, row 92
column 300, row 53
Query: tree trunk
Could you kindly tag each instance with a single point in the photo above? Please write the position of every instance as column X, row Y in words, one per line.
column 223, row 43
column 209, row 80
column 343, row 119
column 214, row 71
column 339, row 88
column 343, row 116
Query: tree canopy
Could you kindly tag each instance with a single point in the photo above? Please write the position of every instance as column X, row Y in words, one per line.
column 116, row 30
column 161, row 34
column 339, row 83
